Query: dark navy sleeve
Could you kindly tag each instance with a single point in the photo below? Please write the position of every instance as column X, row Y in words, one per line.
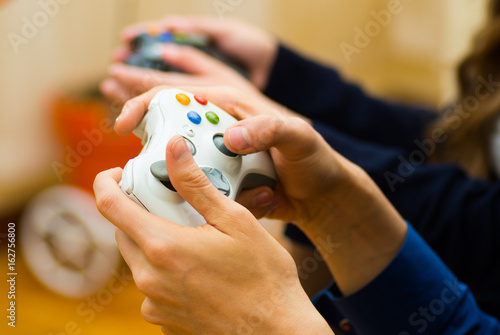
column 457, row 216
column 415, row 294
column 319, row 93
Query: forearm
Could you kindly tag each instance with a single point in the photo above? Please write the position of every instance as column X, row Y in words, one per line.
column 447, row 208
column 313, row 272
column 357, row 231
column 416, row 292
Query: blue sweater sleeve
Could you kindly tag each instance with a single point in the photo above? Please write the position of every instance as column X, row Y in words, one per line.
column 457, row 216
column 415, row 294
column 318, row 92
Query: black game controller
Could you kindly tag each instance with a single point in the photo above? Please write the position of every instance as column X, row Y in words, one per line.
column 147, row 50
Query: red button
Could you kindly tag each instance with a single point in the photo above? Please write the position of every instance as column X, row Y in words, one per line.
column 200, row 100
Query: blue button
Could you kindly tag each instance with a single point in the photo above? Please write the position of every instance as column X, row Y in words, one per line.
column 194, row 117
column 166, row 37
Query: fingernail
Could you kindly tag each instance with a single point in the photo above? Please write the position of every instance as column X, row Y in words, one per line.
column 262, row 199
column 180, row 150
column 239, row 138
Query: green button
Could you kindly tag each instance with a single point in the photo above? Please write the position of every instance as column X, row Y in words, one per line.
column 212, row 117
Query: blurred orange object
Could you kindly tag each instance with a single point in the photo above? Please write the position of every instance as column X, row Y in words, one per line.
column 85, row 129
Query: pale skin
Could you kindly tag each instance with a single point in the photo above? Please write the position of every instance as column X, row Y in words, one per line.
column 182, row 270
column 252, row 47
column 324, row 194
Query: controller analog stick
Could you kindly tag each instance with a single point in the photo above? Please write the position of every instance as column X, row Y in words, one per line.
column 159, row 170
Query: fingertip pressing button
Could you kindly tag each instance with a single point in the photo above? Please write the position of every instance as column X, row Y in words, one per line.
column 219, row 143
column 183, row 99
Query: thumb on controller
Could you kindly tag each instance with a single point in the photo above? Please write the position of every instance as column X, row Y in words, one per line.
column 193, row 185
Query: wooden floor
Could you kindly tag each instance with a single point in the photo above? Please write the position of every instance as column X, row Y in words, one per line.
column 39, row 311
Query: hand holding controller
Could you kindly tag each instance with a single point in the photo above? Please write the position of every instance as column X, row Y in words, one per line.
column 202, row 124
column 147, row 50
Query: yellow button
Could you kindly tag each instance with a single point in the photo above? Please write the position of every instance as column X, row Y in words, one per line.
column 183, row 99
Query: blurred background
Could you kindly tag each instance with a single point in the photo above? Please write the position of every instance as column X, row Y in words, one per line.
column 43, row 67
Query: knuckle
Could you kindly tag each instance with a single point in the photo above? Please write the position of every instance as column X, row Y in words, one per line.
column 161, row 254
column 192, row 181
column 149, row 312
column 231, row 93
column 145, row 282
column 239, row 213
column 155, row 250
column 196, row 177
column 105, row 202
column 274, row 127
column 299, row 122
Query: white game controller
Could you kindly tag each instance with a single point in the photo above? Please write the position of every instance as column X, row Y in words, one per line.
column 202, row 124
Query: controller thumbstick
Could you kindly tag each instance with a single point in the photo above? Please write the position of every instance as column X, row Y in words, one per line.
column 159, row 170
column 219, row 143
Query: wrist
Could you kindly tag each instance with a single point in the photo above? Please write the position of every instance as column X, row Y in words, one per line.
column 296, row 317
column 358, row 232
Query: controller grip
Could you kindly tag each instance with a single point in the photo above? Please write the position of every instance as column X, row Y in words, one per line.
column 142, row 130
column 254, row 180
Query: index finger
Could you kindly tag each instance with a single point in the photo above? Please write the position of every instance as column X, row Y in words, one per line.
column 135, row 221
column 213, row 27
column 133, row 111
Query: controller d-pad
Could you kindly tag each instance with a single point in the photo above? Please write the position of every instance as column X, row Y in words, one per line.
column 219, row 143
column 217, row 179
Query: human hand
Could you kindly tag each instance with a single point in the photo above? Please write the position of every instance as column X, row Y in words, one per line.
column 248, row 45
column 323, row 193
column 227, row 276
column 253, row 47
column 239, row 104
column 304, row 188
